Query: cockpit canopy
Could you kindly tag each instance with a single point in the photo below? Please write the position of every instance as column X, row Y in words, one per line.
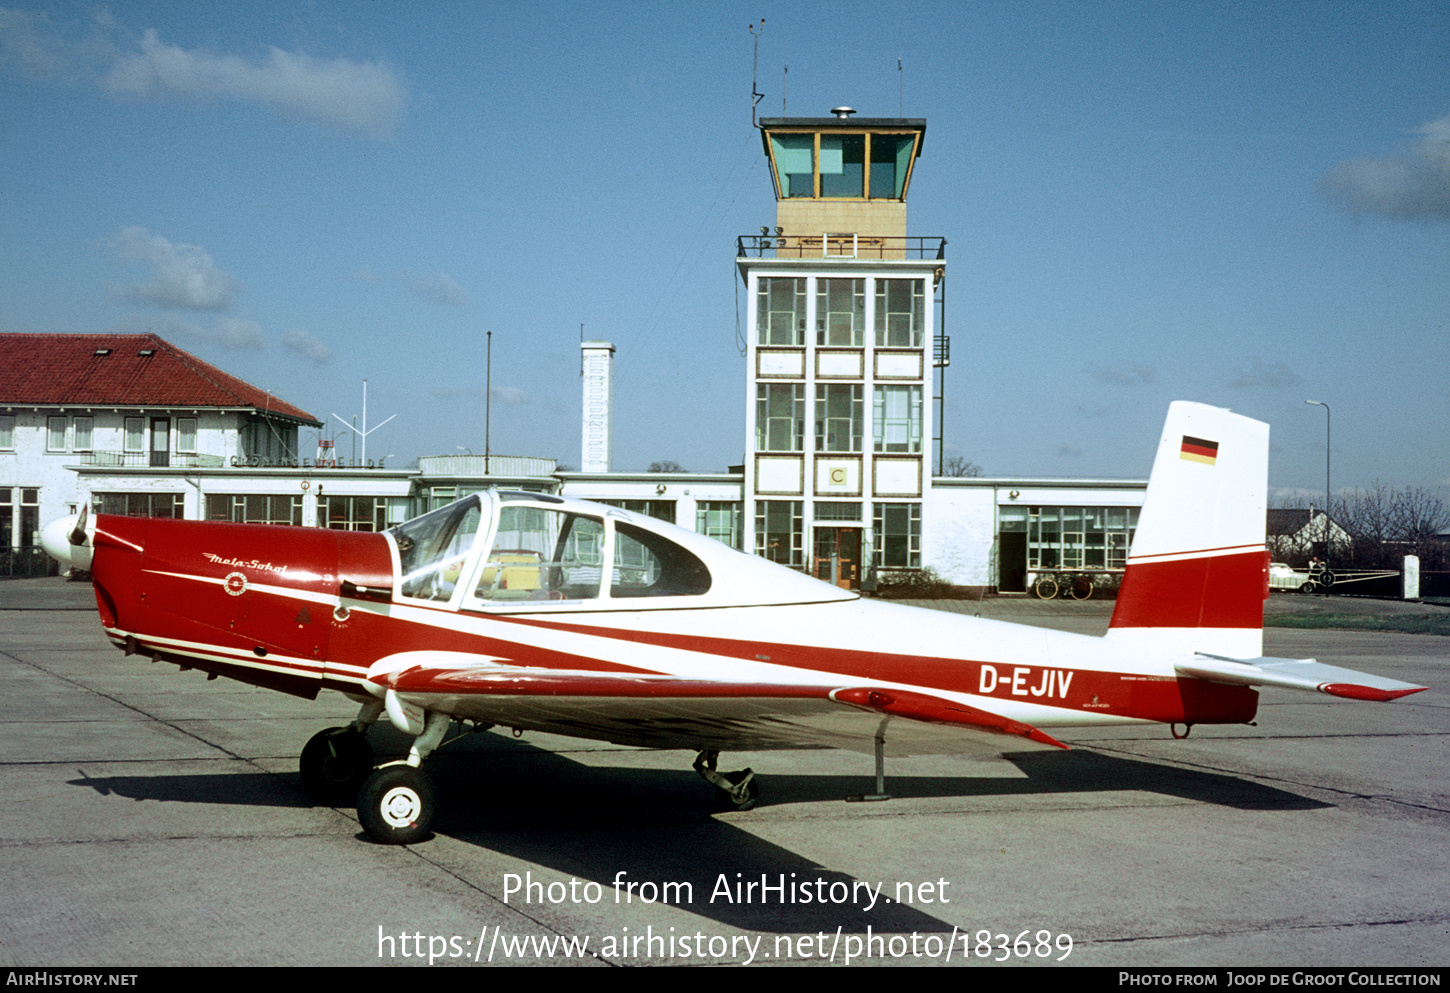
column 504, row 548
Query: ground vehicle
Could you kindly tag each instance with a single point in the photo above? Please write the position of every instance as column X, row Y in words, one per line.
column 1286, row 577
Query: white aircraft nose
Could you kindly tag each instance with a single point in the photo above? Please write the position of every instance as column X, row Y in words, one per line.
column 55, row 539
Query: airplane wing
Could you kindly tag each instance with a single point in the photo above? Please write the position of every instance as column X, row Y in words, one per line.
column 1297, row 674
column 661, row 711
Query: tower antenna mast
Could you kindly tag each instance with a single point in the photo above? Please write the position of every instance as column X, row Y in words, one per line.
column 755, row 95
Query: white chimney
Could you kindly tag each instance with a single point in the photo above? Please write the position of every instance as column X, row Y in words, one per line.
column 598, row 373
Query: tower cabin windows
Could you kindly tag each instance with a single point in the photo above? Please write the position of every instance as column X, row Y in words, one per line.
column 780, row 313
column 840, row 311
column 836, row 165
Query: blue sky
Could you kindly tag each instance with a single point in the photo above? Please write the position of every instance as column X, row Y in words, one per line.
column 1243, row 204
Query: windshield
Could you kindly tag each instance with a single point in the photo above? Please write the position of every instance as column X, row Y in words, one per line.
column 433, row 549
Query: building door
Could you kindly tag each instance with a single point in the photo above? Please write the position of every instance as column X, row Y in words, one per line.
column 160, row 442
column 1012, row 562
column 838, row 556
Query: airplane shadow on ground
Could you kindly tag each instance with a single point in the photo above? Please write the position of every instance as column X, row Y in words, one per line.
column 658, row 826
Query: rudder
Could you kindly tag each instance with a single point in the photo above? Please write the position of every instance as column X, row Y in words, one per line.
column 1197, row 573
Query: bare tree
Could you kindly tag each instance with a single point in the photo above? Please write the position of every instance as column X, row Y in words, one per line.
column 1368, row 515
column 666, row 465
column 1419, row 518
column 961, row 467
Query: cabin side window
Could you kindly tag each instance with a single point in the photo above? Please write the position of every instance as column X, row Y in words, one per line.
column 647, row 565
column 543, row 555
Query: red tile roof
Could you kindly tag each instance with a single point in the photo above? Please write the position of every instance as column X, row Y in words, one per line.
column 71, row 370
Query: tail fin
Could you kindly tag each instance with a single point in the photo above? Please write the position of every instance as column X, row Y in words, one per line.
column 1197, row 573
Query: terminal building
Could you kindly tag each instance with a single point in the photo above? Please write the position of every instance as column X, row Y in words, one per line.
column 841, row 421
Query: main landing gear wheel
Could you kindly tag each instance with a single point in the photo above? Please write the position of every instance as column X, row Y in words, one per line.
column 396, row 805
column 334, row 764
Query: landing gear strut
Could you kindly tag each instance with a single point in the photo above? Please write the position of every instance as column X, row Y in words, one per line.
column 396, row 805
column 733, row 790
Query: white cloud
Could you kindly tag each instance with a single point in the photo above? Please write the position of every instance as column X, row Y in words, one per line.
column 436, row 288
column 182, row 276
column 1140, row 374
column 509, row 396
column 1412, row 185
column 232, row 333
column 1260, row 373
column 357, row 97
column 237, row 334
column 439, row 289
column 307, row 346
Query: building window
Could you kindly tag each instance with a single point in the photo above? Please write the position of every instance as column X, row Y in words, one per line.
column 890, row 161
column 1073, row 537
column 7, row 432
column 186, row 435
column 719, row 519
column 363, row 513
column 840, row 311
column 794, row 156
column 850, row 166
column 85, row 430
column 898, row 535
column 269, row 440
column 169, row 505
column 779, row 532
column 135, row 434
column 254, row 508
column 780, row 417
column 900, row 304
column 660, row 510
column 838, row 511
column 843, row 165
column 19, row 525
column 29, row 516
column 840, row 411
column 55, row 434
column 780, row 311
column 896, row 418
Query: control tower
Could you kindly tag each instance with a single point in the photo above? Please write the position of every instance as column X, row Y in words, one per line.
column 844, row 332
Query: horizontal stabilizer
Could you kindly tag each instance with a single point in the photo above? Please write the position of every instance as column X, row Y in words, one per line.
column 1297, row 674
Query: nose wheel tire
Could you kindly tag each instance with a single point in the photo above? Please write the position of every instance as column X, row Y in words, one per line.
column 396, row 805
column 334, row 764
column 744, row 795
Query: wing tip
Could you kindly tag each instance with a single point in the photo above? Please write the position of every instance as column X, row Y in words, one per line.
column 1355, row 691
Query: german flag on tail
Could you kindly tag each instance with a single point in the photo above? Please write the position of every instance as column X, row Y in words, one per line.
column 1199, row 450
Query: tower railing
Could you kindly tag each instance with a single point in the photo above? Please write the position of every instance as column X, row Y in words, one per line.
column 839, row 245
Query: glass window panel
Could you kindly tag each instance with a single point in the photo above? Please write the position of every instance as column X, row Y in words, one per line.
column 780, row 317
column 890, row 158
column 647, row 565
column 779, row 417
column 186, row 434
column 843, row 165
column 840, row 311
column 793, row 155
column 543, row 555
column 896, row 418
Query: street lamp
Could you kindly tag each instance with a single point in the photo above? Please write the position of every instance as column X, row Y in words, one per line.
column 1327, row 420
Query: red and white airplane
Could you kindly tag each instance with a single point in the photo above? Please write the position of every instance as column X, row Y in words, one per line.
column 529, row 611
